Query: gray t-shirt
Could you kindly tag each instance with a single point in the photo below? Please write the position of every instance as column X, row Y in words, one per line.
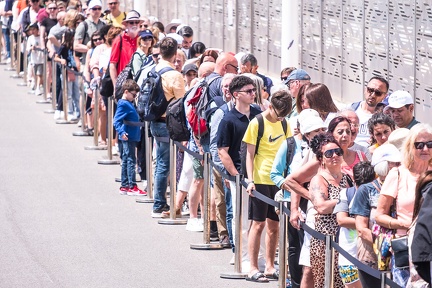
column 57, row 31
column 80, row 33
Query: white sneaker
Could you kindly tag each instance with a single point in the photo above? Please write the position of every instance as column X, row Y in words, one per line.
column 8, row 60
column 194, row 225
column 57, row 115
column 72, row 117
column 79, row 123
column 38, row 92
column 114, row 151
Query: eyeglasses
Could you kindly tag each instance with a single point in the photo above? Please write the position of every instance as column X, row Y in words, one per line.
column 113, row 3
column 374, row 91
column 421, row 145
column 96, row 9
column 249, row 91
column 97, row 39
column 134, row 94
column 277, row 115
column 147, row 38
column 235, row 67
column 329, row 153
column 133, row 22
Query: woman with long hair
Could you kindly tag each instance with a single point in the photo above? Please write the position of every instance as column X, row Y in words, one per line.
column 399, row 188
column 319, row 98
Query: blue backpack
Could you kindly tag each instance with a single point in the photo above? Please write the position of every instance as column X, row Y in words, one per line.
column 152, row 103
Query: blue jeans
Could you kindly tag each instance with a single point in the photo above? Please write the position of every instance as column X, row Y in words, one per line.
column 128, row 152
column 159, row 129
column 73, row 97
column 229, row 214
column 400, row 276
column 6, row 35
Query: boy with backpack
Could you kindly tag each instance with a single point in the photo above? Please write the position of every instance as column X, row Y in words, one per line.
column 129, row 137
column 260, row 155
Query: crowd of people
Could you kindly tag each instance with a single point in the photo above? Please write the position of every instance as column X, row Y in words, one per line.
column 350, row 172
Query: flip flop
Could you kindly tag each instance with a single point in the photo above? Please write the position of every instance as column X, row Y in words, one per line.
column 273, row 276
column 258, row 277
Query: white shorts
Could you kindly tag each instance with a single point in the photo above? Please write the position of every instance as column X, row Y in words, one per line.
column 186, row 176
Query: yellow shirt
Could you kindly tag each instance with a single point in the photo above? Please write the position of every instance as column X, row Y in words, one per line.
column 270, row 142
column 115, row 21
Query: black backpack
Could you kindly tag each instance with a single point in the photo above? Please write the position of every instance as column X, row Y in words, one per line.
column 243, row 147
column 124, row 75
column 152, row 103
column 176, row 120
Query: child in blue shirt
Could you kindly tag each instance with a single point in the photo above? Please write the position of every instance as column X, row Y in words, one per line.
column 129, row 136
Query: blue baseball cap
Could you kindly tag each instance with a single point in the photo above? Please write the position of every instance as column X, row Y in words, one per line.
column 146, row 33
column 298, row 74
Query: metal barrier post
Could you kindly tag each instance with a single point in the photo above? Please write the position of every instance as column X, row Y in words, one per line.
column 53, row 88
column 109, row 159
column 12, row 52
column 45, row 80
column 25, row 65
column 237, row 274
column 173, row 190
column 65, row 98
column 283, row 244
column 83, row 101
column 96, row 145
column 329, row 263
column 149, row 165
column 18, row 56
column 1, row 46
column 206, row 195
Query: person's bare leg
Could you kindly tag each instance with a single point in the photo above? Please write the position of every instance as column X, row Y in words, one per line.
column 180, row 197
column 103, row 125
column 307, row 279
column 272, row 237
column 254, row 241
column 195, row 192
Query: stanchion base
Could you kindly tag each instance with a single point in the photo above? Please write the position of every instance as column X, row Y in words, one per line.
column 169, row 221
column 203, row 246
column 3, row 63
column 95, row 148
column 233, row 275
column 32, row 92
column 144, row 200
column 16, row 76
column 107, row 161
column 10, row 69
column 49, row 111
column 22, row 84
column 62, row 121
column 119, row 180
column 43, row 101
column 80, row 133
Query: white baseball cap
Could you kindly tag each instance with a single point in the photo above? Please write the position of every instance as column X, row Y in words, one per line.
column 386, row 152
column 310, row 120
column 399, row 99
column 94, row 3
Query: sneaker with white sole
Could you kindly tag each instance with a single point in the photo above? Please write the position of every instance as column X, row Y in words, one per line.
column 57, row 114
column 157, row 213
column 135, row 191
column 123, row 190
column 194, row 225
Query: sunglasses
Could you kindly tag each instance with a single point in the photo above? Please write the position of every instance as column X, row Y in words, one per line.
column 134, row 94
column 96, row 9
column 235, row 67
column 277, row 115
column 97, row 39
column 374, row 91
column 249, row 91
column 155, row 55
column 284, row 78
column 78, row 5
column 52, row 8
column 421, row 145
column 329, row 153
column 113, row 3
column 144, row 26
column 134, row 22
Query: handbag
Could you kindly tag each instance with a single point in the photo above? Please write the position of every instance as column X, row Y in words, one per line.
column 107, row 87
column 400, row 252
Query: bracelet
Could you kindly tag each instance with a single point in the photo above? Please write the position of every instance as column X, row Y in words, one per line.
column 389, row 223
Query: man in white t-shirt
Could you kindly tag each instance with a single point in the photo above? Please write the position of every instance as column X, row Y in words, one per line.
column 375, row 92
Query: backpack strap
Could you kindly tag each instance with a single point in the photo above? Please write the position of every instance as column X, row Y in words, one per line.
column 284, row 126
column 163, row 70
column 260, row 130
column 355, row 105
column 291, row 146
column 350, row 191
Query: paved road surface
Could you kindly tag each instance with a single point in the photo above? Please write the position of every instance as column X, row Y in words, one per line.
column 63, row 224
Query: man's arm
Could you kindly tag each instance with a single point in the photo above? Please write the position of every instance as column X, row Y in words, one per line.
column 250, row 155
column 79, row 38
column 227, row 161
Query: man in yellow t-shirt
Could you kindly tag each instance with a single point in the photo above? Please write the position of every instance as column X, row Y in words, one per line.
column 115, row 17
column 259, row 163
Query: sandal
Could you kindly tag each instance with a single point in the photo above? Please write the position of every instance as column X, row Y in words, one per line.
column 273, row 276
column 89, row 131
column 258, row 277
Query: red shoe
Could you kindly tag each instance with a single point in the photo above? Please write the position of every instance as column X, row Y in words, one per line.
column 123, row 190
column 135, row 191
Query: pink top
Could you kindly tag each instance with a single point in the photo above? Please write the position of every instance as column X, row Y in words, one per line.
column 360, row 156
column 402, row 187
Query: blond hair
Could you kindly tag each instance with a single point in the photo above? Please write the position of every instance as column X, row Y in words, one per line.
column 408, row 149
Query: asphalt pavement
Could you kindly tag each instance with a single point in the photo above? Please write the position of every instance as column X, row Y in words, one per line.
column 63, row 223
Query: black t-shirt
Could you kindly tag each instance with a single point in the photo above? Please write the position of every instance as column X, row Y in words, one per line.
column 48, row 23
column 231, row 131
